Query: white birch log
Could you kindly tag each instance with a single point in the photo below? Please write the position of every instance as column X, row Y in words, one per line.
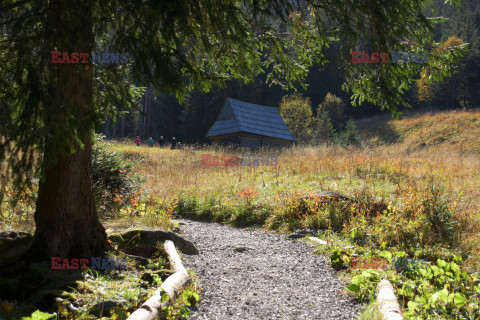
column 318, row 241
column 171, row 286
column 387, row 302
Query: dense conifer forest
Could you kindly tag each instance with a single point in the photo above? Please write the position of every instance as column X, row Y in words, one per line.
column 162, row 114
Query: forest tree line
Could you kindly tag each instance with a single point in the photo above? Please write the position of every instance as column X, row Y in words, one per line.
column 162, row 115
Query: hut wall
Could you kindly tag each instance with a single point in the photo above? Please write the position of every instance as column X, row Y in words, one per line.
column 252, row 140
column 276, row 142
column 232, row 138
column 257, row 141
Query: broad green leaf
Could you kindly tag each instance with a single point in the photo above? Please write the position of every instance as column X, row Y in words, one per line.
column 353, row 288
column 441, row 295
column 38, row 315
column 412, row 305
column 442, row 264
column 459, row 299
column 386, row 254
column 455, row 268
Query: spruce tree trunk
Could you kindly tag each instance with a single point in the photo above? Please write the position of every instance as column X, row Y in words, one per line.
column 67, row 223
column 66, row 220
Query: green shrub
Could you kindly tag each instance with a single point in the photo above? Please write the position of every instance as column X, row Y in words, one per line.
column 442, row 291
column 296, row 111
column 113, row 186
column 334, row 108
column 324, row 132
column 364, row 285
column 290, row 216
column 349, row 135
column 186, row 207
column 439, row 215
column 209, row 209
column 437, row 291
column 317, row 221
column 339, row 259
column 250, row 215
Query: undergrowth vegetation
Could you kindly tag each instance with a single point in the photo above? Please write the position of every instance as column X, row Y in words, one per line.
column 94, row 293
column 420, row 209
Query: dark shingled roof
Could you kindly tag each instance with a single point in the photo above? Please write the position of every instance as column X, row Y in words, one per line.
column 238, row 116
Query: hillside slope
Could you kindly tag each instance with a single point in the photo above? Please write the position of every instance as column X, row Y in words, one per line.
column 457, row 132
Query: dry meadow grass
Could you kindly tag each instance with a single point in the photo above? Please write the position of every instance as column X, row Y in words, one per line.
column 387, row 172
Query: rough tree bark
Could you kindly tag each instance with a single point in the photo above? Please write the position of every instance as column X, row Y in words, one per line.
column 66, row 220
column 67, row 223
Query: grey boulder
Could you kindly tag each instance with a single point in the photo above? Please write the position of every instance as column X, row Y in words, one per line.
column 13, row 245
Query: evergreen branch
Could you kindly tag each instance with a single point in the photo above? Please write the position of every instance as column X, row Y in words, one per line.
column 335, row 13
column 15, row 5
column 18, row 39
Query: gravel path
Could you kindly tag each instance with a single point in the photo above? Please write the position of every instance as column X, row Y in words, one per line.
column 251, row 274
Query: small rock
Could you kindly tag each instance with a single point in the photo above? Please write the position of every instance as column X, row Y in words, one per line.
column 13, row 245
column 34, row 276
column 300, row 234
column 242, row 249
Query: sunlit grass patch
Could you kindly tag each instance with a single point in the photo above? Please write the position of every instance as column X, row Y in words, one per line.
column 372, row 312
column 17, row 213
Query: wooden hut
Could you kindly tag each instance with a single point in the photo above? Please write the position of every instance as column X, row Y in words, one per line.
column 250, row 125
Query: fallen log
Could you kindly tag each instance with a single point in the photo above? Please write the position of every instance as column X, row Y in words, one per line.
column 171, row 286
column 387, row 302
column 318, row 241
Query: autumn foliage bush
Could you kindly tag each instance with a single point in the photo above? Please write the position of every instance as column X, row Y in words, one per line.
column 113, row 184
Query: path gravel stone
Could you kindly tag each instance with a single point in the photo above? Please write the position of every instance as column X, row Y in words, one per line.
column 251, row 274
